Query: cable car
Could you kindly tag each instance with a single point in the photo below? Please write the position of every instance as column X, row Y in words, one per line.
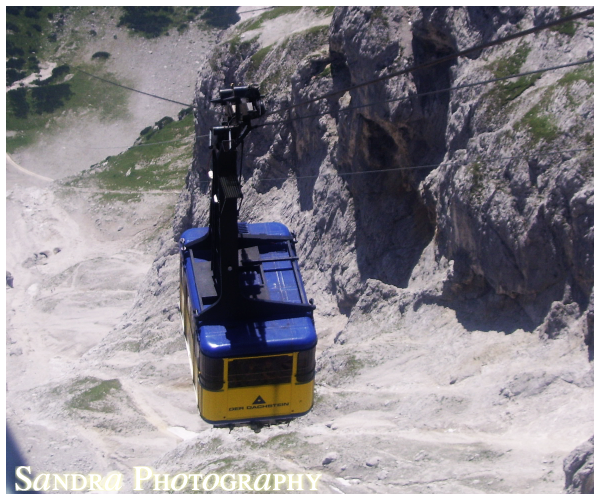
column 248, row 324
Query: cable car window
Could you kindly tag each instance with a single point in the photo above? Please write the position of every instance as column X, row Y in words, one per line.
column 306, row 366
column 249, row 372
column 211, row 373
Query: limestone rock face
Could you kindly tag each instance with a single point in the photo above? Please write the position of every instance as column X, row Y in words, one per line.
column 497, row 176
column 579, row 469
column 445, row 227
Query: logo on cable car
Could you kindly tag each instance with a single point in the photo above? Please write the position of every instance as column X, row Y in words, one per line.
column 259, row 404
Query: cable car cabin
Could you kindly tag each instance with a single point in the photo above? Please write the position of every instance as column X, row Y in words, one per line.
column 248, row 325
column 252, row 360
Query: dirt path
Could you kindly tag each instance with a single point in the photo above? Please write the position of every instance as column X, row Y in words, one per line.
column 10, row 162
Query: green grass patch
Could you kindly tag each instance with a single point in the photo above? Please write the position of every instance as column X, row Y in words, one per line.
column 94, row 398
column 155, row 164
column 132, row 170
column 378, row 15
column 234, row 44
column 509, row 91
column 539, row 126
column 505, row 92
column 585, row 73
column 314, row 31
column 127, row 198
column 476, row 171
column 326, row 73
column 37, row 109
column 283, row 441
column 259, row 56
column 273, row 80
column 351, row 367
column 569, row 28
column 326, row 11
column 21, row 140
column 237, row 46
column 510, row 65
column 293, row 47
column 253, row 24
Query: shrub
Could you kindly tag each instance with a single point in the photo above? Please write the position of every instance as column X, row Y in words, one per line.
column 12, row 27
column 17, row 102
column 101, row 55
column 164, row 121
column 32, row 12
column 33, row 64
column 60, row 71
column 147, row 130
column 12, row 76
column 12, row 50
column 15, row 63
column 183, row 113
column 147, row 20
column 221, row 17
column 49, row 98
column 56, row 74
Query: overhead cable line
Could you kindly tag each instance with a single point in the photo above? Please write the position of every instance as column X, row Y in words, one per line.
column 417, row 167
column 441, row 60
column 248, row 11
column 135, row 90
column 149, row 144
column 350, row 108
column 116, row 191
column 140, row 145
column 431, row 92
column 396, row 99
column 340, row 174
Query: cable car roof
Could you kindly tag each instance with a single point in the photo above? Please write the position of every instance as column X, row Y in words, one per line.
column 271, row 277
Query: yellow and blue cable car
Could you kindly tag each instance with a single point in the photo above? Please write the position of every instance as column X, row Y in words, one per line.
column 248, row 325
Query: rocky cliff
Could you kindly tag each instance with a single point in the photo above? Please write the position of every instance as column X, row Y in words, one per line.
column 485, row 212
column 497, row 179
